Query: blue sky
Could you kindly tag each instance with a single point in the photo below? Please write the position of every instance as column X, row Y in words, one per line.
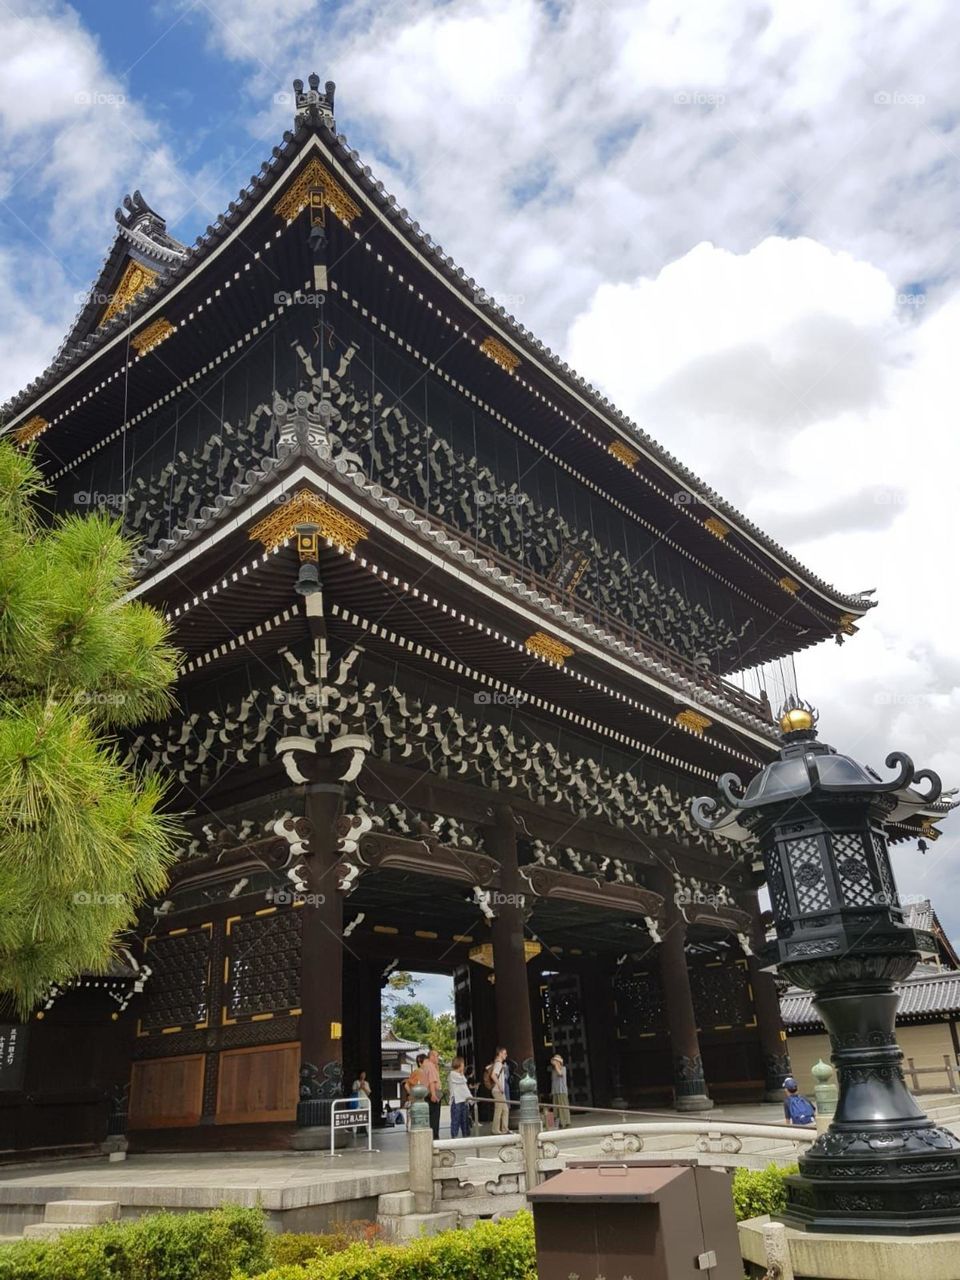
column 739, row 219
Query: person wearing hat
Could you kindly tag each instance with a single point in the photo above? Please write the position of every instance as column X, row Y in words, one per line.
column 558, row 1092
column 796, row 1108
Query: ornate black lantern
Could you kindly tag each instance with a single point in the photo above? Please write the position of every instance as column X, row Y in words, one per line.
column 819, row 819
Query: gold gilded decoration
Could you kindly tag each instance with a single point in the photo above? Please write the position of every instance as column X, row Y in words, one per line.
column 133, row 281
column 308, row 508
column 846, row 624
column 308, row 543
column 31, row 428
column 499, row 353
column 315, row 178
column 547, row 647
column 788, row 584
column 693, row 720
column 623, row 453
column 717, row 527
column 152, row 336
column 483, row 954
column 797, row 719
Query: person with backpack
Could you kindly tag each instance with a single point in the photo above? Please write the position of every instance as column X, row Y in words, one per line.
column 495, row 1079
column 796, row 1108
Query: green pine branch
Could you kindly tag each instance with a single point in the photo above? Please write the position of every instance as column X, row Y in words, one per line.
column 83, row 841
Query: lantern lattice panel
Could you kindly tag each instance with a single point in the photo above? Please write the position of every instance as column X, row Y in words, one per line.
column 809, row 880
column 857, row 885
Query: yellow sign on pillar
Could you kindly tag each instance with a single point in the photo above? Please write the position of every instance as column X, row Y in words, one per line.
column 336, row 1031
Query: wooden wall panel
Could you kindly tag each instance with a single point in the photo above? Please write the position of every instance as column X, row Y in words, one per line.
column 258, row 1083
column 166, row 1092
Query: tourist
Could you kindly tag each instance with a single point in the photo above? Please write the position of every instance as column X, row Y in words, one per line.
column 459, row 1091
column 558, row 1092
column 361, row 1088
column 496, row 1078
column 413, row 1079
column 796, row 1108
column 431, row 1078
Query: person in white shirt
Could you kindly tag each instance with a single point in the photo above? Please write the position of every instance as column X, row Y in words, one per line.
column 459, row 1092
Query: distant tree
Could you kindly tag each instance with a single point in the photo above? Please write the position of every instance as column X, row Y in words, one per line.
column 82, row 840
column 413, row 1022
column 443, row 1036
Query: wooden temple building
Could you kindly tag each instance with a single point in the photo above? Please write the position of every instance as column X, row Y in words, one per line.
column 458, row 639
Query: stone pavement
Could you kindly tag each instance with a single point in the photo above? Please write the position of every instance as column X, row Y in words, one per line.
column 298, row 1190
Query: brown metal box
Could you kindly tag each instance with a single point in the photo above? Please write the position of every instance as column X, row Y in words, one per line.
column 636, row 1220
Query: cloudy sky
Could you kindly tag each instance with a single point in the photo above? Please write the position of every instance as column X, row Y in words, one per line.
column 740, row 219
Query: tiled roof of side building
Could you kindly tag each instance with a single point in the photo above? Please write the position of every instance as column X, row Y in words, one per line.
column 924, row 994
column 315, row 118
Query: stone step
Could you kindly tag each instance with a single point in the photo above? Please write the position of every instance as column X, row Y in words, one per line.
column 52, row 1230
column 81, row 1212
column 395, row 1204
column 411, row 1226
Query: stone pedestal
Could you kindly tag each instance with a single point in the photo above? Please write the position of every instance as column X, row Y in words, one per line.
column 838, row 1256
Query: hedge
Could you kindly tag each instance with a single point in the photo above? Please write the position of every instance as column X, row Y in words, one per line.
column 488, row 1251
column 216, row 1245
column 232, row 1244
column 757, row 1191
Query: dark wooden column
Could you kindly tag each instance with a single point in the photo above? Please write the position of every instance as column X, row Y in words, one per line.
column 321, row 1022
column 514, row 1024
column 766, row 1004
column 601, row 1022
column 689, row 1085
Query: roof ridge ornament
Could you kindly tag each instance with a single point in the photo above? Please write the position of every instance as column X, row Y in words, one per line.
column 311, row 104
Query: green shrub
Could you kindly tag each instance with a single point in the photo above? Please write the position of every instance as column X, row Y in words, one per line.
column 291, row 1248
column 487, row 1251
column 757, row 1191
column 159, row 1246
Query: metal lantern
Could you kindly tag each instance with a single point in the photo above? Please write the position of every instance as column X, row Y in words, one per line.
column 819, row 819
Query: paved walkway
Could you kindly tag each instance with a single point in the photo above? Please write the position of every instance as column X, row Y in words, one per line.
column 278, row 1180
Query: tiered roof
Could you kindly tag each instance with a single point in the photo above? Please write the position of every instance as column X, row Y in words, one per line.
column 137, row 346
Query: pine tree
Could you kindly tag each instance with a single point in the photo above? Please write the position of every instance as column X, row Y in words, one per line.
column 83, row 840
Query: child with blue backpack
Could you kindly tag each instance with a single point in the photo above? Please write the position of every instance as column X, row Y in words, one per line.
column 796, row 1108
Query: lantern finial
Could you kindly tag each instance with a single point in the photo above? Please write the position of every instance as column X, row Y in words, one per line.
column 797, row 716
